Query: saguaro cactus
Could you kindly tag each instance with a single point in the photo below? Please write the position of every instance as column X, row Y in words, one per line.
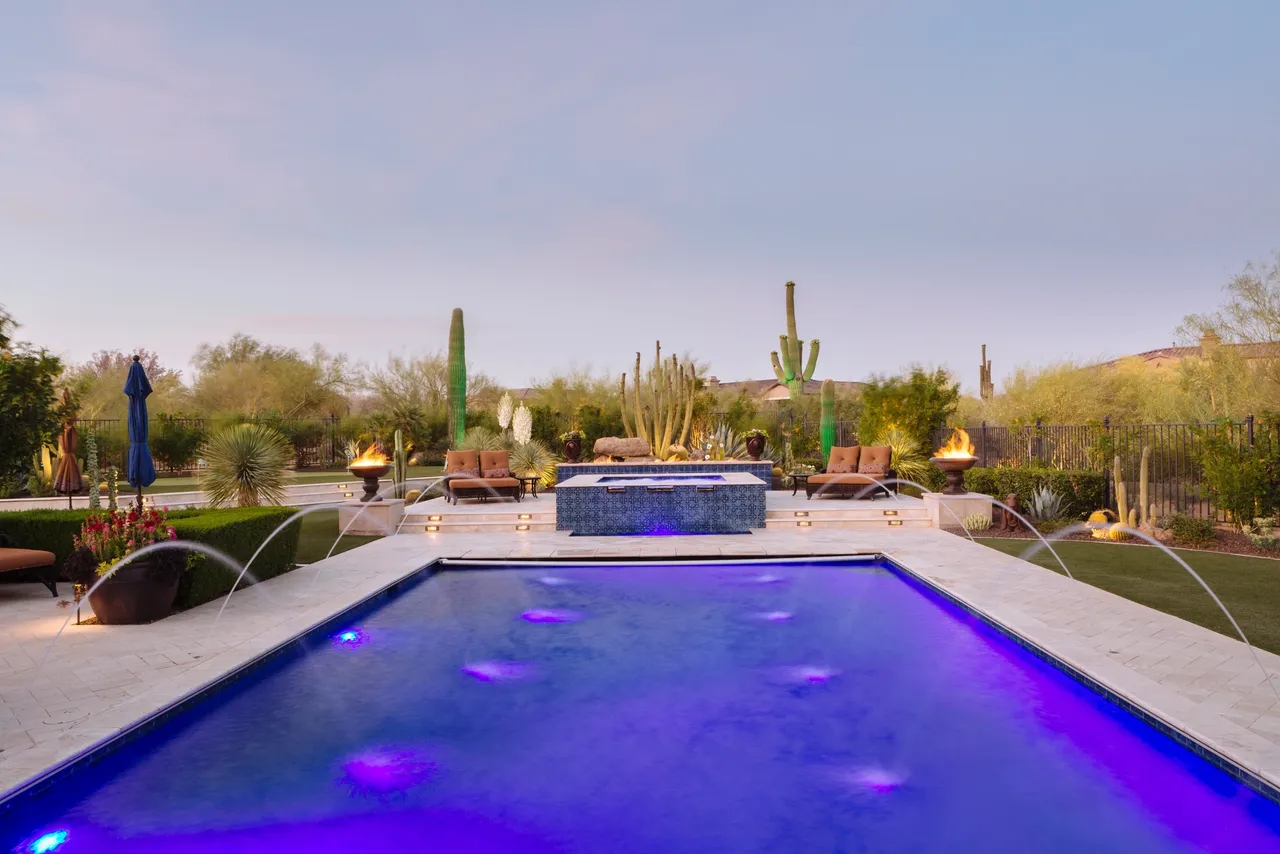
column 661, row 403
column 827, row 426
column 457, row 379
column 399, row 466
column 788, row 370
column 987, row 388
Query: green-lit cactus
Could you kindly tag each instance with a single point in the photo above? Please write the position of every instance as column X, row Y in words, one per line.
column 94, row 473
column 827, row 426
column 399, row 466
column 788, row 370
column 457, row 379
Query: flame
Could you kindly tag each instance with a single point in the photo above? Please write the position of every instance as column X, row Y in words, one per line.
column 957, row 447
column 370, row 457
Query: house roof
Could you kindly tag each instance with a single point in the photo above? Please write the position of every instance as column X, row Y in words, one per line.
column 1264, row 350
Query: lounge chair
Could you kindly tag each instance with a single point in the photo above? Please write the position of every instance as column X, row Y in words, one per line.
column 464, row 476
column 857, row 472
column 14, row 559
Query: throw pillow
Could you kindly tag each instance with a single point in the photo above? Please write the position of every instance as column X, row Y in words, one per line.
column 497, row 472
column 464, row 473
column 872, row 468
column 840, row 468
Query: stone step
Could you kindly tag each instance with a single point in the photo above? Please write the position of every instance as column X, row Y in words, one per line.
column 870, row 514
column 848, row 524
column 414, row 526
column 513, row 517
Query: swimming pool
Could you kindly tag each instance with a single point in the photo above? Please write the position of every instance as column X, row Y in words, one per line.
column 815, row 707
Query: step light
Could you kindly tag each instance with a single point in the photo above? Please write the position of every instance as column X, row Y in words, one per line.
column 802, row 512
column 804, row 524
column 891, row 512
column 431, row 529
column 525, row 516
column 895, row 523
column 522, row 527
column 433, row 518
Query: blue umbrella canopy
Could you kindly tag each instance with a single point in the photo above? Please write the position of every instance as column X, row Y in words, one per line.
column 140, row 469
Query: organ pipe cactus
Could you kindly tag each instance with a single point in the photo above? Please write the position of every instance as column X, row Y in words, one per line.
column 457, row 380
column 661, row 403
column 788, row 370
column 1144, row 490
column 827, row 426
column 399, row 466
column 1122, row 494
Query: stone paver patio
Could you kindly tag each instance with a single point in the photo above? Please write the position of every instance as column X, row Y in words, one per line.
column 98, row 680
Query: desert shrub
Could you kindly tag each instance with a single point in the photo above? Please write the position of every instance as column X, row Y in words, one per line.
column 246, row 466
column 532, row 459
column 175, row 444
column 1239, row 477
column 1188, row 531
column 1082, row 491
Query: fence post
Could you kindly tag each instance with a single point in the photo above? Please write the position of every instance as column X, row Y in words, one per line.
column 984, row 444
column 1248, row 429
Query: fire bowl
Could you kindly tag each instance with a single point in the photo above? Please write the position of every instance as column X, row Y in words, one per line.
column 371, row 475
column 954, row 468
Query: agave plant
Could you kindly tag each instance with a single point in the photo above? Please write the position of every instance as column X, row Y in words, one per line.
column 905, row 456
column 723, row 443
column 246, row 466
column 1046, row 504
column 482, row 439
column 532, row 459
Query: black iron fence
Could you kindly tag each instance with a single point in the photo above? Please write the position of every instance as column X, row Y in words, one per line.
column 175, row 442
column 1174, row 472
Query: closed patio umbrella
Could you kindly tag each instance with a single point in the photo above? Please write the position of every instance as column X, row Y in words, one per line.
column 67, row 477
column 140, row 469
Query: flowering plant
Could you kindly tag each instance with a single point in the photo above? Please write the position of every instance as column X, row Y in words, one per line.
column 755, row 433
column 571, row 434
column 114, row 535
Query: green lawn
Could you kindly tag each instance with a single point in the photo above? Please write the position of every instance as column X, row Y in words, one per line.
column 1248, row 586
column 319, row 530
column 190, row 484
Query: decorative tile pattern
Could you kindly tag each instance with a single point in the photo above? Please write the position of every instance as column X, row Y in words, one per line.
column 762, row 469
column 614, row 510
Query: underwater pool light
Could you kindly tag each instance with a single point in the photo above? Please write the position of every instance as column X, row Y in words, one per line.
column 350, row 637
column 49, row 842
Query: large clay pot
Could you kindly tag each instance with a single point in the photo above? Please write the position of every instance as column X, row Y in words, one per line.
column 135, row 593
column 755, row 446
column 572, row 450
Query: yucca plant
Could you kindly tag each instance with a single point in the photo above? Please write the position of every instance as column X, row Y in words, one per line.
column 533, row 459
column 246, row 466
column 482, row 439
column 905, row 457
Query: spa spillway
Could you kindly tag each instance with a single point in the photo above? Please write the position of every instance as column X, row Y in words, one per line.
column 660, row 503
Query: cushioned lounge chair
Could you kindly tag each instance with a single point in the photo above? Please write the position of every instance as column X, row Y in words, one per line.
column 856, row 472
column 465, row 476
column 14, row 559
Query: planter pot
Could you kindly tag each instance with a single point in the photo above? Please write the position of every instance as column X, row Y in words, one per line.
column 755, row 446
column 130, row 597
column 572, row 450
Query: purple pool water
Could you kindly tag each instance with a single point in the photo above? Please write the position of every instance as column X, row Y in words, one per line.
column 684, row 709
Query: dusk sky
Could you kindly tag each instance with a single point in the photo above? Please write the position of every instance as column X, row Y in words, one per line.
column 1054, row 179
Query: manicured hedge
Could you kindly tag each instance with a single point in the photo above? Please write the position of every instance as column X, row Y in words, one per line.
column 1085, row 491
column 237, row 533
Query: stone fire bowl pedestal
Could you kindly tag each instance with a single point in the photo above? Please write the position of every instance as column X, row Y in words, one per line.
column 379, row 519
column 947, row 511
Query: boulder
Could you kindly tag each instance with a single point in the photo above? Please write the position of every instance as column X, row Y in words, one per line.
column 611, row 446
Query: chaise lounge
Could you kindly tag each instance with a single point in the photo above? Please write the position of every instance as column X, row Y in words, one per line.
column 856, row 472
column 479, row 474
column 14, row 559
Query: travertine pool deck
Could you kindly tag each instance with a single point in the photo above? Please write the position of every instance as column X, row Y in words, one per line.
column 98, row 680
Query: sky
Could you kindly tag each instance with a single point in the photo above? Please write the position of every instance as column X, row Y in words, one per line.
column 1055, row 180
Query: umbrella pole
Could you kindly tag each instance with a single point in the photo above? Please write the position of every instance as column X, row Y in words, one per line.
column 139, row 499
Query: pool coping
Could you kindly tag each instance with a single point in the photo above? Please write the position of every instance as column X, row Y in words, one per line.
column 1169, row 725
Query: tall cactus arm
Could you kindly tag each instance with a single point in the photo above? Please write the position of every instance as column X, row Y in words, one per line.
column 691, row 385
column 639, row 410
column 792, row 336
column 777, row 368
column 813, row 360
column 626, row 421
column 789, row 367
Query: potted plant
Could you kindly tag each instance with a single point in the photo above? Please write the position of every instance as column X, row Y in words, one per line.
column 140, row 591
column 756, row 439
column 572, row 445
